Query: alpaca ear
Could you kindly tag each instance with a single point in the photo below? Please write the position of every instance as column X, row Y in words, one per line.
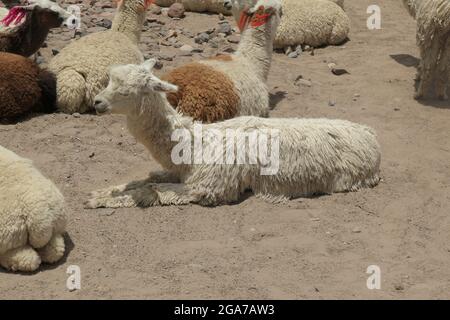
column 149, row 64
column 163, row 86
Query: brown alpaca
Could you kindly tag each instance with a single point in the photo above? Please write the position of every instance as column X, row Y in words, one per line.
column 203, row 93
column 24, row 87
column 28, row 37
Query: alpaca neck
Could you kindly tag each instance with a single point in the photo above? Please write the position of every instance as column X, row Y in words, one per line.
column 26, row 38
column 256, row 45
column 153, row 123
column 129, row 20
column 411, row 5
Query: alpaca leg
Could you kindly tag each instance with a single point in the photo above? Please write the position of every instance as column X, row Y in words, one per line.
column 443, row 72
column 141, row 194
column 71, row 91
column 154, row 177
column 144, row 196
column 21, row 259
column 53, row 250
column 163, row 177
column 120, row 188
column 427, row 68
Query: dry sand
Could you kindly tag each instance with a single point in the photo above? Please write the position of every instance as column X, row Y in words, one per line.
column 305, row 249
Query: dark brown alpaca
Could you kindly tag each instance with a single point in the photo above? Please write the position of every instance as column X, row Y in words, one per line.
column 24, row 87
column 28, row 37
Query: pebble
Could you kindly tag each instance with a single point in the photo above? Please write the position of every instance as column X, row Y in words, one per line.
column 176, row 10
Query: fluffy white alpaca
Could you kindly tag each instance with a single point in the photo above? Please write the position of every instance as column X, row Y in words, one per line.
column 306, row 22
column 231, row 85
column 315, row 155
column 433, row 39
column 81, row 68
column 32, row 215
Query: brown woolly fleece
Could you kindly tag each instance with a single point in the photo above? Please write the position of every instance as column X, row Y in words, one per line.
column 24, row 87
column 204, row 93
column 28, row 37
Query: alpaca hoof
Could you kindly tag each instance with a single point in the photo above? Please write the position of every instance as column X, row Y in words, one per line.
column 54, row 250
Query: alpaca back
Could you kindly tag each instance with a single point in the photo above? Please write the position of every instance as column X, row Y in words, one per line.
column 312, row 22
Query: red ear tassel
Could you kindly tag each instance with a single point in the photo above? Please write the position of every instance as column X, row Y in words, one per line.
column 243, row 20
column 15, row 15
column 148, row 3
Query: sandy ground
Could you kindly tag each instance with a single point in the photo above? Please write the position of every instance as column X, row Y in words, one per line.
column 306, row 249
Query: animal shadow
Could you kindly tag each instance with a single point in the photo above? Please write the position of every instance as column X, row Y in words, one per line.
column 276, row 98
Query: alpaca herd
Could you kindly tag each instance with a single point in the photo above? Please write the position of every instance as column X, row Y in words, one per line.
column 106, row 72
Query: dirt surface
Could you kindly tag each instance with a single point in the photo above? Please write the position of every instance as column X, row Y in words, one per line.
column 306, row 249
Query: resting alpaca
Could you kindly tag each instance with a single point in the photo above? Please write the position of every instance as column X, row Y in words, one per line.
column 27, row 38
column 231, row 85
column 24, row 87
column 433, row 39
column 32, row 218
column 81, row 68
column 315, row 155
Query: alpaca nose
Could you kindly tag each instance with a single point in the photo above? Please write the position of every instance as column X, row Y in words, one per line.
column 100, row 105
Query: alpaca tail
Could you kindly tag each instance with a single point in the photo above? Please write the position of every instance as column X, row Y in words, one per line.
column 47, row 84
column 71, row 91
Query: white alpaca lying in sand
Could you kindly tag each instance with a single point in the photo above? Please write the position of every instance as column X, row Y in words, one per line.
column 32, row 215
column 315, row 155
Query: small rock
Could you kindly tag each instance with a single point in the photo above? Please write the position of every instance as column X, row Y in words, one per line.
column 303, row 82
column 399, row 287
column 186, row 48
column 176, row 10
column 331, row 103
column 293, row 55
column 105, row 23
column 201, row 38
column 76, row 115
column 234, row 39
column 221, row 17
column 356, row 230
column 55, row 52
column 225, row 28
column 339, row 72
column 155, row 9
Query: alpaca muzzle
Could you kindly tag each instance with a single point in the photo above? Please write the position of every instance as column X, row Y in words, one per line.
column 101, row 106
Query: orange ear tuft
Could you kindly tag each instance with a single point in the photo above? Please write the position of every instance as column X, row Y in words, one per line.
column 147, row 3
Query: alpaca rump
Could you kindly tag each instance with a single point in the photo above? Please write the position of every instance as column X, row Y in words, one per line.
column 433, row 40
column 315, row 155
column 312, row 22
column 82, row 67
column 203, row 93
column 220, row 88
column 24, row 87
column 32, row 216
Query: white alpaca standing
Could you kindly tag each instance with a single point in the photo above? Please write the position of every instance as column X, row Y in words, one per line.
column 433, row 39
column 81, row 68
column 315, row 155
column 231, row 85
column 32, row 215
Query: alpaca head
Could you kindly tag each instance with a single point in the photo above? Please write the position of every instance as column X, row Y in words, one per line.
column 47, row 13
column 255, row 13
column 128, row 84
